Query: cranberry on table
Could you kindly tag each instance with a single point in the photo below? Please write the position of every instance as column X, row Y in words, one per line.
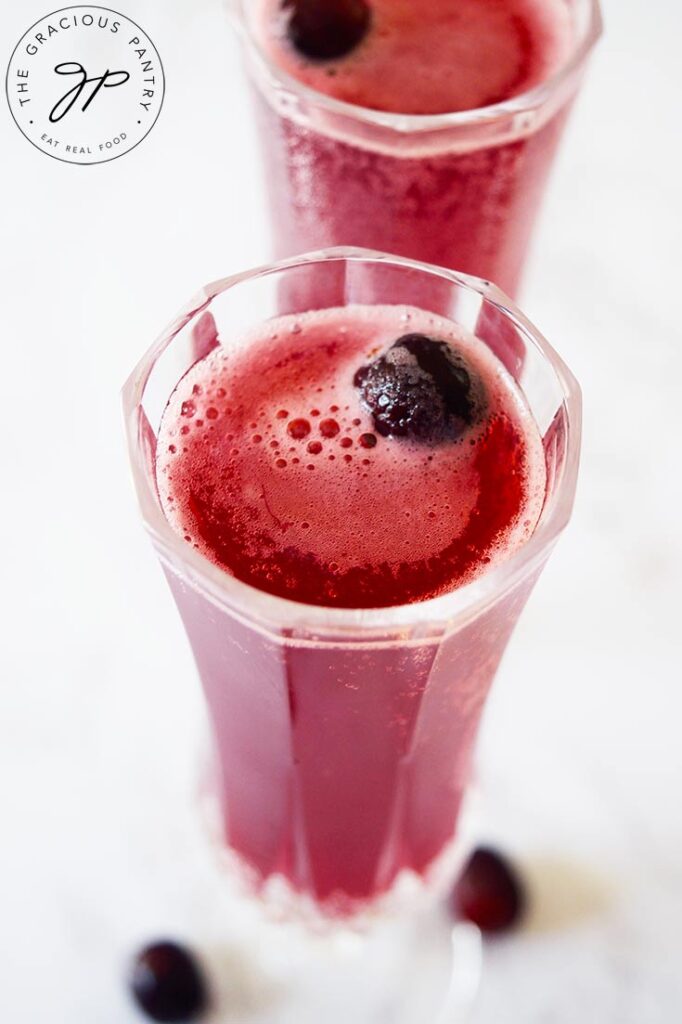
column 329, row 29
column 167, row 983
column 489, row 892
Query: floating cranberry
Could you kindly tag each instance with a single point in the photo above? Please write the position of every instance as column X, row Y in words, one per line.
column 421, row 388
column 327, row 29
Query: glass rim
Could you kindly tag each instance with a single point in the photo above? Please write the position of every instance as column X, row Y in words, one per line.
column 498, row 114
column 275, row 614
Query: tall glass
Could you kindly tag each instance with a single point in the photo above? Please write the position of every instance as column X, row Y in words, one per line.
column 460, row 190
column 343, row 738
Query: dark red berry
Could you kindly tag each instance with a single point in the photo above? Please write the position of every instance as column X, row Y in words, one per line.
column 326, row 29
column 421, row 388
column 167, row 983
column 489, row 892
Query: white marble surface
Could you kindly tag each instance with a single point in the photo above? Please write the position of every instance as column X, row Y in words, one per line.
column 581, row 756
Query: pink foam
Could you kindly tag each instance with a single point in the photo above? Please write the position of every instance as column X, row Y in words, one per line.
column 439, row 57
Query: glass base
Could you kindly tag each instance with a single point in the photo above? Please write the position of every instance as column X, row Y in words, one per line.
column 277, row 900
column 418, row 970
column 401, row 961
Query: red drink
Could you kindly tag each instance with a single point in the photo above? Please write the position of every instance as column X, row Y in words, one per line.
column 270, row 463
column 348, row 570
column 431, row 137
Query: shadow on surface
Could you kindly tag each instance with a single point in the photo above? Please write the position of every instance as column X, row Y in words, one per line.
column 240, row 989
column 564, row 893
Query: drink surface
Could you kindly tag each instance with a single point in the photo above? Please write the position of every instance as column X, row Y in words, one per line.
column 415, row 58
column 273, row 464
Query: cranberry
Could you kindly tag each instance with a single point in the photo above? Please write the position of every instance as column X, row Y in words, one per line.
column 327, row 29
column 489, row 892
column 167, row 984
column 421, row 388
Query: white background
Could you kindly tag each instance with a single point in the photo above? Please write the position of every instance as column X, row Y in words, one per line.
column 581, row 757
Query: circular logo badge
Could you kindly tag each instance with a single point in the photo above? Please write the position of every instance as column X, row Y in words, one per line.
column 85, row 84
